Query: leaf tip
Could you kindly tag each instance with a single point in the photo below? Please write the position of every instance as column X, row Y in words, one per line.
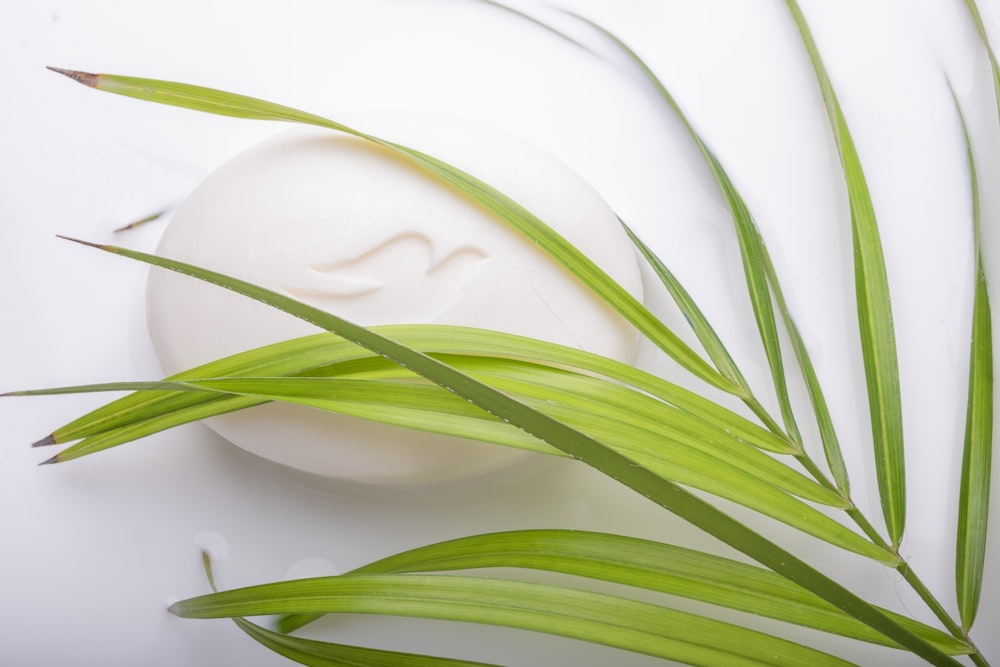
column 81, row 242
column 141, row 221
column 45, row 442
column 54, row 459
column 86, row 78
column 206, row 563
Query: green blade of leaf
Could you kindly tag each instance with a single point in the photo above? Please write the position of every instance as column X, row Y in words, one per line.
column 977, row 453
column 750, row 250
column 668, row 495
column 644, row 429
column 323, row 354
column 756, row 280
column 757, row 482
column 627, row 417
column 595, row 617
column 828, row 435
column 416, row 406
column 995, row 66
column 643, row 564
column 289, row 357
column 705, row 332
column 575, row 398
column 824, row 422
column 624, row 407
column 658, row 441
column 327, row 654
column 878, row 344
column 665, row 441
column 137, row 428
column 756, row 259
column 165, row 386
column 426, row 408
column 591, row 275
column 760, row 295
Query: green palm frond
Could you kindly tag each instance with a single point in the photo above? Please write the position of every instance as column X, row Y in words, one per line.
column 681, row 450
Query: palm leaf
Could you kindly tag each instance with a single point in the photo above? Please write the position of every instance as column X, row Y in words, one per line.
column 721, row 467
column 994, row 65
column 762, row 284
column 705, row 333
column 595, row 617
column 591, row 275
column 977, row 455
column 324, row 355
column 556, row 433
column 670, row 443
column 578, row 445
column 643, row 564
column 974, row 492
column 328, row 654
column 878, row 344
column 578, row 398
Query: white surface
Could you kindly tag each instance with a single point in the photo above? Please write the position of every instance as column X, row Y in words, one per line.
column 95, row 550
column 349, row 227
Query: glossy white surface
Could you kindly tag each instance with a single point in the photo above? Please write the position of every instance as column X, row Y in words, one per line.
column 94, row 550
column 351, row 228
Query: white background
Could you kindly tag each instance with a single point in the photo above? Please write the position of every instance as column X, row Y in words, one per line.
column 93, row 551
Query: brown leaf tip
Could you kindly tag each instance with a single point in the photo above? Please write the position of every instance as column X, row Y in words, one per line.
column 86, row 78
column 86, row 243
column 45, row 442
column 141, row 221
column 54, row 459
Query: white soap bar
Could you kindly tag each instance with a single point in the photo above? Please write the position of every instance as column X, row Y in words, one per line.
column 349, row 227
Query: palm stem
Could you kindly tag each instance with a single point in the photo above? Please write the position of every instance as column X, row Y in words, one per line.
column 858, row 517
column 817, row 473
column 768, row 421
column 903, row 567
column 918, row 586
column 932, row 603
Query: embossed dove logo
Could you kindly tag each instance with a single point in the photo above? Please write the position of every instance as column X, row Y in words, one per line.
column 405, row 276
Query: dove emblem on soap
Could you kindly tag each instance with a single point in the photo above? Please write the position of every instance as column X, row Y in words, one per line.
column 408, row 274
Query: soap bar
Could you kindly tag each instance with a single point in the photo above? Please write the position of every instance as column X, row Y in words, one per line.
column 348, row 226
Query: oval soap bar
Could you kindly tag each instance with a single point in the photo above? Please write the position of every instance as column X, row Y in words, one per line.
column 350, row 227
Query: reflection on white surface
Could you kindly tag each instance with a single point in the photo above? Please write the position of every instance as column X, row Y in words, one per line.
column 94, row 550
